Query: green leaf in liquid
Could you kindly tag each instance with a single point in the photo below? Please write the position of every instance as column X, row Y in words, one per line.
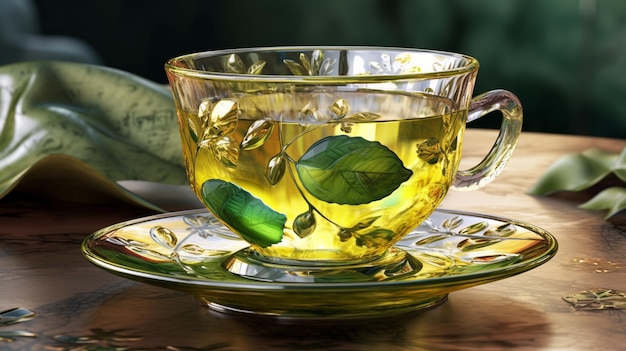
column 245, row 214
column 430, row 151
column 350, row 170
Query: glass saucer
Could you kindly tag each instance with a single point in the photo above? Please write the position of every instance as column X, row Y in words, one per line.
column 188, row 251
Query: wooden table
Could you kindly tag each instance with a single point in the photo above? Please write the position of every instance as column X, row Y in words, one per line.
column 79, row 306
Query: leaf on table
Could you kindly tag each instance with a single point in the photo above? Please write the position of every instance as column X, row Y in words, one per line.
column 612, row 199
column 579, row 171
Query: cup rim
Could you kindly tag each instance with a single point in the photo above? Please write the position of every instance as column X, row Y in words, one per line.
column 472, row 65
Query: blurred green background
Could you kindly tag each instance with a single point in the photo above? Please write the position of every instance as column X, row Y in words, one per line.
column 565, row 59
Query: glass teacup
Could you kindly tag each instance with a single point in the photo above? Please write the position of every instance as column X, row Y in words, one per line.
column 323, row 157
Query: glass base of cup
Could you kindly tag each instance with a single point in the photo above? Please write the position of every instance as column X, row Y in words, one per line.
column 301, row 314
column 394, row 264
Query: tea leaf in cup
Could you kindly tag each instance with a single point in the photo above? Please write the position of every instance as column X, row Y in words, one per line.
column 350, row 170
column 430, row 151
column 245, row 214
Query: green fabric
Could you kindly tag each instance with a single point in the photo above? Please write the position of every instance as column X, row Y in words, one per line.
column 122, row 126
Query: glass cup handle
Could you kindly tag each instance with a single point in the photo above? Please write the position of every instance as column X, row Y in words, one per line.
column 489, row 168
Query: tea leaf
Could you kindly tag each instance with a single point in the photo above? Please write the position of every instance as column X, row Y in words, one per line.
column 578, row 171
column 430, row 151
column 350, row 170
column 245, row 214
column 612, row 199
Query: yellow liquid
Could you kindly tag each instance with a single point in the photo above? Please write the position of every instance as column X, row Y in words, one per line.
column 420, row 130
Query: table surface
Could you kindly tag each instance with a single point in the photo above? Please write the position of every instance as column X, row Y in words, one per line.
column 79, row 306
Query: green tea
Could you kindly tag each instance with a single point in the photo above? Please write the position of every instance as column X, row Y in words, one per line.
column 322, row 176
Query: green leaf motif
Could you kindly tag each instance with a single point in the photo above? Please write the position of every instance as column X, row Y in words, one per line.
column 350, row 170
column 304, row 224
column 245, row 214
column 295, row 68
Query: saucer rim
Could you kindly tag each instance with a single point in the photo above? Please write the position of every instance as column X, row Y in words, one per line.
column 190, row 282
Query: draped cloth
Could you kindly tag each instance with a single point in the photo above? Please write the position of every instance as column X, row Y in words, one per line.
column 76, row 130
